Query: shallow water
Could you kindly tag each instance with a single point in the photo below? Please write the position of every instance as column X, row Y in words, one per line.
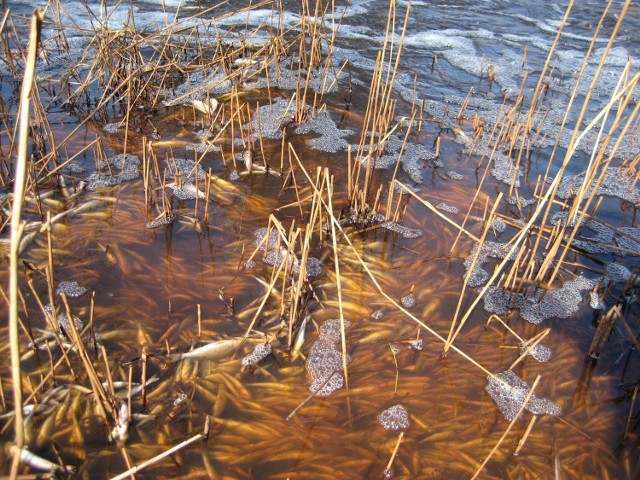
column 149, row 283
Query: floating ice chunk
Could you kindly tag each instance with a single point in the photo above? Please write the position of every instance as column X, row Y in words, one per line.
column 596, row 302
column 447, row 208
column 71, row 289
column 454, row 175
column 394, row 418
column 402, row 230
column 325, row 360
column 203, row 147
column 261, row 351
column 509, row 391
column 540, row 352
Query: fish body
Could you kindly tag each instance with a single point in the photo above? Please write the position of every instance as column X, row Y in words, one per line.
column 211, row 351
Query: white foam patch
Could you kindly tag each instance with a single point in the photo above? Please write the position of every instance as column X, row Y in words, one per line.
column 260, row 352
column 71, row 289
column 394, row 418
column 324, row 361
column 489, row 250
column 447, row 208
column 539, row 305
column 405, row 232
column 540, row 352
column 509, row 392
column 113, row 171
column 615, row 184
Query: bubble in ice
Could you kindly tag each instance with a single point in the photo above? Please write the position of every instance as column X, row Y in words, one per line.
column 408, row 301
column 260, row 352
column 405, row 232
column 394, row 418
column 454, row 175
column 71, row 289
column 113, row 171
column 447, row 208
column 540, row 352
column 324, row 361
column 509, row 391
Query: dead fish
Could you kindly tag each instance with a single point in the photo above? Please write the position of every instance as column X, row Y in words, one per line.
column 208, row 108
column 38, row 463
column 211, row 351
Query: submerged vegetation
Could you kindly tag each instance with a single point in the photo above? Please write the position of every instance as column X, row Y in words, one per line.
column 222, row 257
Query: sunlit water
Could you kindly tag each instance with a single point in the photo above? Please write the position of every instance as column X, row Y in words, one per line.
column 148, row 283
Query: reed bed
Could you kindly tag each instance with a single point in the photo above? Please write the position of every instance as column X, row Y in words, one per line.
column 180, row 249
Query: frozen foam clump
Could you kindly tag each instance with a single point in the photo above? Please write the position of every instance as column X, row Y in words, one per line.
column 540, row 305
column 540, row 352
column 402, row 230
column 454, row 175
column 524, row 203
column 198, row 85
column 112, row 127
column 630, row 240
column 314, row 267
column 409, row 301
column 617, row 272
column 417, row 344
column 489, row 250
column 185, row 168
column 498, row 225
column 203, row 147
column 394, row 418
column 447, row 208
column 377, row 315
column 596, row 302
column 331, row 137
column 615, row 184
column 504, row 170
column 413, row 157
column 260, row 352
column 160, row 221
column 71, row 289
column 187, row 191
column 273, row 241
column 272, row 119
column 509, row 391
column 324, row 361
column 117, row 169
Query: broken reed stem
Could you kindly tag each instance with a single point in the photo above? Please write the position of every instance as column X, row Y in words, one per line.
column 511, row 424
column 17, row 229
column 393, row 454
